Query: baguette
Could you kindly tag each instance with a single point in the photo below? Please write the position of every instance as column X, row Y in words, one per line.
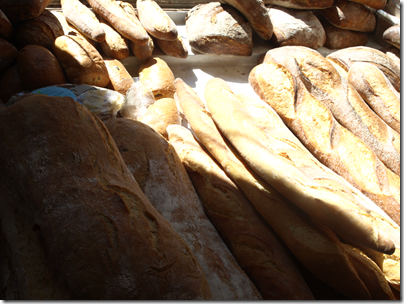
column 98, row 228
column 392, row 35
column 254, row 244
column 315, row 246
column 332, row 144
column 6, row 28
column 156, row 21
column 114, row 45
column 120, row 78
column 83, row 19
column 142, row 52
column 155, row 165
column 176, row 48
column 334, row 91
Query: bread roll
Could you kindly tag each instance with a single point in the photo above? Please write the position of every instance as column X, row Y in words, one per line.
column 257, row 15
column 80, row 61
column 83, row 19
column 41, row 30
column 218, row 29
column 316, row 247
column 23, row 9
column 350, row 15
column 114, row 45
column 254, row 244
column 97, row 227
column 10, row 83
column 377, row 91
column 299, row 4
column 296, row 27
column 142, row 52
column 119, row 76
column 8, row 54
column 392, row 35
column 332, row 144
column 38, row 68
column 176, row 48
column 6, row 28
column 162, row 114
column 123, row 23
column 156, row 76
column 156, row 21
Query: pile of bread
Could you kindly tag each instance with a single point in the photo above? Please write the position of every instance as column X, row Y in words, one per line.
column 288, row 193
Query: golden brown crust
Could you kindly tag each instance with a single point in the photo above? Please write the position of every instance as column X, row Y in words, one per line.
column 176, row 48
column 120, row 78
column 98, row 228
column 143, row 52
column 114, row 45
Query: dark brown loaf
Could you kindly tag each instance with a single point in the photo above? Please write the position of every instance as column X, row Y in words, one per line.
column 302, row 4
column 97, row 227
column 114, row 45
column 8, row 54
column 375, row 4
column 350, row 15
column 254, row 244
column 161, row 176
column 38, row 67
column 218, row 29
column 23, row 9
column 80, row 61
column 119, row 76
column 392, row 35
column 83, row 19
column 176, row 48
column 6, row 28
column 10, row 83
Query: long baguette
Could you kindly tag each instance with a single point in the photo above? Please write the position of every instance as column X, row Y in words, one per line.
column 332, row 144
column 254, row 244
column 315, row 246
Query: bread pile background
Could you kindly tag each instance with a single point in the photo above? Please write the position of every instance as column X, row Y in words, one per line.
column 130, row 181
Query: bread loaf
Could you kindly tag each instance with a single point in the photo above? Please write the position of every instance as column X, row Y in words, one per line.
column 68, row 29
column 123, row 23
column 254, row 244
column 392, row 35
column 332, row 144
column 347, row 57
column 333, row 90
column 393, row 54
column 257, row 15
column 8, row 54
column 6, row 28
column 350, row 15
column 80, row 61
column 156, row 21
column 114, row 45
column 299, row 4
column 163, row 179
column 38, row 67
column 10, row 83
column 176, row 48
column 296, row 27
column 377, row 91
column 316, row 247
column 98, row 228
column 41, row 30
column 375, row 4
column 23, row 9
column 218, row 29
column 119, row 76
column 142, row 52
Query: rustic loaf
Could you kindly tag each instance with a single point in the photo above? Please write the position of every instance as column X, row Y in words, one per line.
column 80, row 61
column 8, row 54
column 161, row 176
column 10, row 83
column 176, row 48
column 392, row 35
column 332, row 144
column 299, row 4
column 142, row 52
column 6, row 28
column 114, row 45
column 315, row 246
column 218, row 29
column 23, row 9
column 254, row 244
column 120, row 79
column 97, row 227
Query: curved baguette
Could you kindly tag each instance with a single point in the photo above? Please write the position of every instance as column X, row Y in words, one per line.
column 326, row 84
column 98, row 228
column 83, row 19
column 154, row 163
column 377, row 91
column 315, row 246
column 254, row 244
column 125, row 24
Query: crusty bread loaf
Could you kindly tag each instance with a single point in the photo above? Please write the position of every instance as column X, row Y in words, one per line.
column 176, row 48
column 10, row 83
column 38, row 67
column 296, row 27
column 377, row 91
column 124, row 23
column 114, row 45
column 348, row 56
column 257, row 15
column 119, row 76
column 299, row 4
column 161, row 114
column 41, row 30
column 394, row 55
column 8, row 54
column 6, row 28
column 155, row 20
column 331, row 88
column 80, row 61
column 332, row 144
column 97, row 227
column 163, row 179
column 254, row 244
column 142, row 52
column 392, row 35
column 218, row 29
column 156, row 76
column 315, row 246
column 23, row 9
column 350, row 15
column 83, row 19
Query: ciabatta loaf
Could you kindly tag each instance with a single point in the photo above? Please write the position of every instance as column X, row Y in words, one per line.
column 97, row 227
column 254, row 244
column 163, row 179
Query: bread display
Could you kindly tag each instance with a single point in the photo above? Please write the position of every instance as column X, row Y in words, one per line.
column 392, row 35
column 218, row 29
column 114, row 45
column 6, row 28
column 119, row 77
